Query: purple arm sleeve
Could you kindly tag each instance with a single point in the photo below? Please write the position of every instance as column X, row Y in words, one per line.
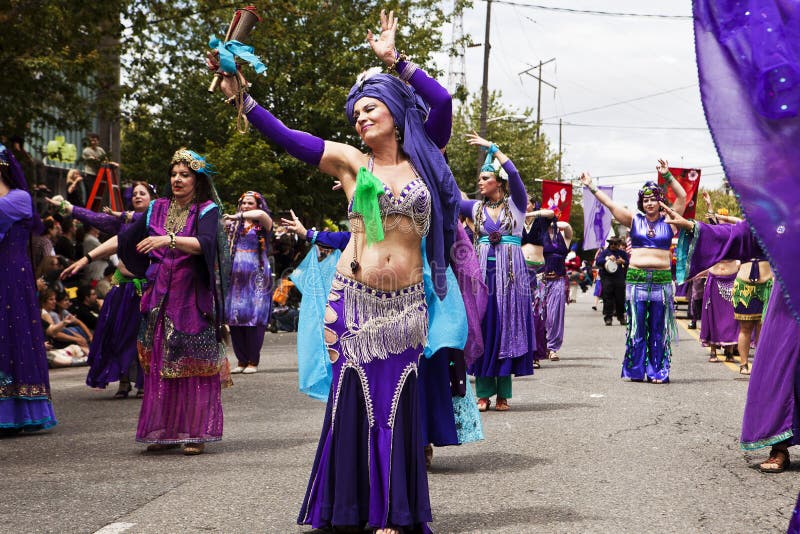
column 303, row 146
column 714, row 243
column 126, row 247
column 108, row 224
column 337, row 240
column 440, row 117
column 518, row 194
column 15, row 206
column 465, row 208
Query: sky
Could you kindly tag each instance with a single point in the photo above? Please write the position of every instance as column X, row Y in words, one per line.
column 600, row 61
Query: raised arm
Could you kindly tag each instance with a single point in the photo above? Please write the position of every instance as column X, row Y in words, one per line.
column 680, row 193
column 566, row 229
column 256, row 215
column 620, row 213
column 14, row 206
column 515, row 186
column 466, row 206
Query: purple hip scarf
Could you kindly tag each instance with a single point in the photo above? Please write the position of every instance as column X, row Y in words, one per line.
column 370, row 466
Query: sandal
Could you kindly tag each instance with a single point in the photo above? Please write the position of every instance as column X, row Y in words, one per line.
column 744, row 369
column 713, row 359
column 483, row 404
column 536, row 364
column 728, row 355
column 553, row 356
column 193, row 449
column 778, row 462
column 122, row 392
column 501, row 405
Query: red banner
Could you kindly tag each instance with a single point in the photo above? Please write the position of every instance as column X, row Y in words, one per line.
column 557, row 196
column 690, row 180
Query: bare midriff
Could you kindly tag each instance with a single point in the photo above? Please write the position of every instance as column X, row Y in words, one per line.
column 533, row 253
column 764, row 271
column 725, row 268
column 391, row 264
column 650, row 258
column 124, row 271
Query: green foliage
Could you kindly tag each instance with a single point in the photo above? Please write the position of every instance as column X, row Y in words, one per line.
column 719, row 199
column 57, row 62
column 313, row 51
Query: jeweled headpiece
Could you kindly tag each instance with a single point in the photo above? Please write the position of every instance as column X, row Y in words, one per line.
column 650, row 189
column 195, row 161
column 495, row 168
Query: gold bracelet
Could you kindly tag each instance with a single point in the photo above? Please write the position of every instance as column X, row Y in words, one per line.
column 400, row 56
column 171, row 239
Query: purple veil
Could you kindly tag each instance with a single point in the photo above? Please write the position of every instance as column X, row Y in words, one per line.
column 748, row 57
column 18, row 182
column 409, row 113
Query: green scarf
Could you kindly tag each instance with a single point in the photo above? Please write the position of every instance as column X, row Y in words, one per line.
column 365, row 203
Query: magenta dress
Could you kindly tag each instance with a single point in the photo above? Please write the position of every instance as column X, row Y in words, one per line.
column 178, row 346
column 24, row 382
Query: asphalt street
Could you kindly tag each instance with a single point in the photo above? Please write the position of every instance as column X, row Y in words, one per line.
column 580, row 451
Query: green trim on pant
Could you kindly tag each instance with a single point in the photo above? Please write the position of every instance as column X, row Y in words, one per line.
column 489, row 386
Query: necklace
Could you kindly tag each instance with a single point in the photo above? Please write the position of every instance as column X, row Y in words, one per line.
column 176, row 218
column 651, row 228
column 497, row 204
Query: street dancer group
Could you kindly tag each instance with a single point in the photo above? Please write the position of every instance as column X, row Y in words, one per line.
column 400, row 310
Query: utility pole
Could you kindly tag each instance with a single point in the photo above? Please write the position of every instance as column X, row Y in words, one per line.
column 485, row 87
column 560, row 176
column 539, row 95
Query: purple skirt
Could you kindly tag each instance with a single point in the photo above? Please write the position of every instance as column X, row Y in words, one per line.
column 718, row 325
column 438, row 423
column 369, row 469
column 113, row 348
column 538, row 318
column 490, row 364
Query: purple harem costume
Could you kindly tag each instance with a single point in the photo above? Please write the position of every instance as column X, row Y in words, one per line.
column 771, row 412
column 25, row 402
column 508, row 332
column 178, row 345
column 249, row 299
column 649, row 303
column 556, row 286
column 112, row 353
column 533, row 235
column 718, row 327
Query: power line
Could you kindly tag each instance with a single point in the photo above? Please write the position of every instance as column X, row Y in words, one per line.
column 592, row 12
column 623, row 101
column 629, row 127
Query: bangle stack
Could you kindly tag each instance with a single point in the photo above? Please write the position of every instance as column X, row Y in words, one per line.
column 398, row 57
column 88, row 258
column 171, row 240
column 592, row 189
column 668, row 178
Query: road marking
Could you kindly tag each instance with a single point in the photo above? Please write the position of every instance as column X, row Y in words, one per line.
column 115, row 528
column 685, row 324
column 597, row 395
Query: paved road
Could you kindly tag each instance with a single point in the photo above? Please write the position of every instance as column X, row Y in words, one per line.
column 580, row 451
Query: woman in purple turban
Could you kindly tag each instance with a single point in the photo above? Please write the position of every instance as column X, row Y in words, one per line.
column 25, row 403
column 370, row 468
column 649, row 294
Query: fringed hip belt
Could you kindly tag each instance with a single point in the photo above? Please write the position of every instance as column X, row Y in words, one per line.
column 648, row 276
column 371, row 323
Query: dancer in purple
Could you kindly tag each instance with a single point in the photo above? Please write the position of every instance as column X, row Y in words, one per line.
column 249, row 299
column 25, row 403
column 556, row 238
column 113, row 353
column 508, row 333
column 370, row 467
column 718, row 326
column 532, row 235
column 649, row 293
column 175, row 245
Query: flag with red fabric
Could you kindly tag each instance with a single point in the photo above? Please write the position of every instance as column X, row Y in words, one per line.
column 557, row 196
column 690, row 180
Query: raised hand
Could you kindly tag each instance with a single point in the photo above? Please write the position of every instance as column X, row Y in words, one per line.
column 586, row 179
column 73, row 269
column 662, row 167
column 384, row 46
column 294, row 225
column 675, row 219
column 476, row 140
column 230, row 84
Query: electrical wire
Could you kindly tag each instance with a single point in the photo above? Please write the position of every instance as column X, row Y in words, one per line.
column 593, row 12
column 673, row 90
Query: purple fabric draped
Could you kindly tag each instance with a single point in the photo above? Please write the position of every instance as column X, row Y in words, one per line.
column 24, row 381
column 717, row 324
column 18, row 181
column 249, row 298
column 409, row 114
column 747, row 56
column 771, row 412
column 473, row 291
column 106, row 223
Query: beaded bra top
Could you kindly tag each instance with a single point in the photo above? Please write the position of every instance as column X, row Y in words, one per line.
column 413, row 202
column 646, row 234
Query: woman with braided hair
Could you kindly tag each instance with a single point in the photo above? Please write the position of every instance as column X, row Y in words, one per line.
column 249, row 299
column 508, row 333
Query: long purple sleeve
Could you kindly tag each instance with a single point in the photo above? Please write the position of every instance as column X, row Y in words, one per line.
column 465, row 208
column 711, row 244
column 135, row 262
column 439, row 124
column 15, row 206
column 303, row 146
column 108, row 224
column 336, row 240
column 518, row 194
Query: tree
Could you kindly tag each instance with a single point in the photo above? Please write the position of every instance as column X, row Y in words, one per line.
column 720, row 199
column 56, row 63
column 313, row 51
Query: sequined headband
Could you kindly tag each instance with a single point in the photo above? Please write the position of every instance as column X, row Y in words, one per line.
column 195, row 161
